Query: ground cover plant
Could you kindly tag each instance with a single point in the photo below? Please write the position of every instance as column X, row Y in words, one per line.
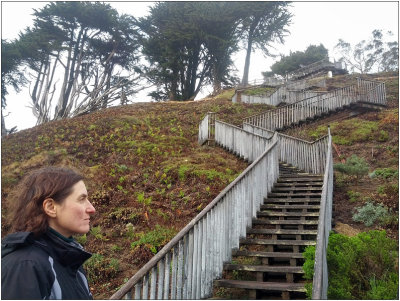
column 364, row 266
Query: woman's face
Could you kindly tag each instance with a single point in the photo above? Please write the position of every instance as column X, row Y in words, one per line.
column 73, row 214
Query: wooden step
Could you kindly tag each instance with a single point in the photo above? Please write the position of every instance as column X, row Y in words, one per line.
column 282, row 231
column 276, row 242
column 283, row 195
column 287, row 214
column 284, row 222
column 296, row 184
column 264, row 268
column 274, row 206
column 270, row 286
column 299, row 180
column 295, row 189
column 291, row 200
column 286, row 255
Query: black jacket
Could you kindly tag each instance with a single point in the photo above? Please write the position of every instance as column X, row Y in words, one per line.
column 47, row 267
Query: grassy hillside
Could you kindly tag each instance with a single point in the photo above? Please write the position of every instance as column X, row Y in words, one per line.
column 148, row 177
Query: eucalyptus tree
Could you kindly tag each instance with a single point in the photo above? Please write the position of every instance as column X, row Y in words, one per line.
column 262, row 23
column 367, row 55
column 92, row 46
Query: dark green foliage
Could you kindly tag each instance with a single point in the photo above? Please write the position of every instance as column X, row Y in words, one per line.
column 354, row 166
column 11, row 75
column 188, row 44
column 295, row 59
column 308, row 267
column 360, row 267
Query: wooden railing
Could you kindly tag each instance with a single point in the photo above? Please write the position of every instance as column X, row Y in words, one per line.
column 186, row 267
column 305, row 155
column 365, row 91
column 203, row 130
column 320, row 278
column 242, row 143
column 311, row 68
column 291, row 92
column 371, row 91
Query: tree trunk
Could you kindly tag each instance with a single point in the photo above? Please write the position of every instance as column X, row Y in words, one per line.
column 245, row 79
column 3, row 126
column 217, row 86
column 254, row 23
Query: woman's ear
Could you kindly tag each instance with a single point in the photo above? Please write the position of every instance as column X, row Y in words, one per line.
column 49, row 207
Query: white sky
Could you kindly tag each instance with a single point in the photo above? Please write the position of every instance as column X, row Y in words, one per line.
column 313, row 23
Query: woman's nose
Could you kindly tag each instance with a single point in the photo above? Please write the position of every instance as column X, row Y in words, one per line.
column 90, row 209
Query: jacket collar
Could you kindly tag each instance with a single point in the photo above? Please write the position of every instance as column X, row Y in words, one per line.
column 67, row 253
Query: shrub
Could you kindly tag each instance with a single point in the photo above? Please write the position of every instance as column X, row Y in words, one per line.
column 97, row 233
column 308, row 267
column 360, row 267
column 385, row 173
column 82, row 239
column 154, row 239
column 354, row 196
column 370, row 213
column 354, row 166
column 99, row 268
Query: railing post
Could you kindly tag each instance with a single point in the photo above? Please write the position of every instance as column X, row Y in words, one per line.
column 211, row 128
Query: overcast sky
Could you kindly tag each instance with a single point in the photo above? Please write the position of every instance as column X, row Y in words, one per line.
column 312, row 23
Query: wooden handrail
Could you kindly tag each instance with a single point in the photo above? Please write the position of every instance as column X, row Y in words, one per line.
column 320, row 277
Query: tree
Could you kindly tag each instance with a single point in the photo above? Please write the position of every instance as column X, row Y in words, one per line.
column 187, row 44
column 296, row 59
column 11, row 75
column 261, row 24
column 92, row 45
column 371, row 54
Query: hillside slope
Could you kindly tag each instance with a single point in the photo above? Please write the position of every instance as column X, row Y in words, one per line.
column 148, row 177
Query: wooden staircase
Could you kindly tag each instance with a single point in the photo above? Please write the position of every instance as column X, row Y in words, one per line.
column 268, row 264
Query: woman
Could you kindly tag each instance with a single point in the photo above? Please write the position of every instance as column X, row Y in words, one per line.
column 41, row 260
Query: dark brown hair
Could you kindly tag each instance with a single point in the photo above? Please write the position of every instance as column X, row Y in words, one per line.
column 48, row 182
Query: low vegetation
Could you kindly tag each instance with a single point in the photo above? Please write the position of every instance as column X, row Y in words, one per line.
column 360, row 267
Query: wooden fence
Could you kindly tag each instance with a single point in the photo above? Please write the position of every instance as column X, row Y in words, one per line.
column 186, row 267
